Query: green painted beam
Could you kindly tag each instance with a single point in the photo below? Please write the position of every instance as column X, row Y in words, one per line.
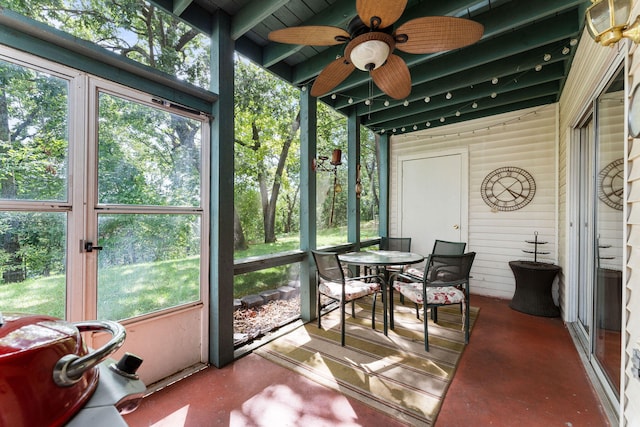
column 507, row 108
column 308, row 217
column 353, row 158
column 506, row 70
column 253, row 52
column 468, row 94
column 179, row 6
column 222, row 201
column 499, row 20
column 252, row 14
column 508, row 100
column 194, row 15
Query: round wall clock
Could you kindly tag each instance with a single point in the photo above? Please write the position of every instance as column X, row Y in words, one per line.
column 634, row 113
column 508, row 188
column 611, row 184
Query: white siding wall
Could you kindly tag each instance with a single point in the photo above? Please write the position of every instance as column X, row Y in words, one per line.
column 631, row 298
column 525, row 139
column 586, row 79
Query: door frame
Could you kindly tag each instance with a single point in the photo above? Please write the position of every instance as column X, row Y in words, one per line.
column 464, row 183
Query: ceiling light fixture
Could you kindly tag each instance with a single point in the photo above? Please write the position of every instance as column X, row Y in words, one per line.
column 474, row 105
column 333, row 96
column 566, row 51
column 538, row 67
column 448, row 95
column 547, row 57
column 427, row 99
column 370, row 54
column 608, row 21
column 386, row 102
column 494, row 81
column 405, row 103
column 428, row 124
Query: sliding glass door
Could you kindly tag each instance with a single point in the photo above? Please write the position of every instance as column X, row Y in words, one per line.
column 598, row 233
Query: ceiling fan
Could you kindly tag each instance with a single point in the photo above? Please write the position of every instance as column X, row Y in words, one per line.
column 371, row 41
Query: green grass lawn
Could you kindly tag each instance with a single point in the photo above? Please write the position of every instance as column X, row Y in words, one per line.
column 132, row 290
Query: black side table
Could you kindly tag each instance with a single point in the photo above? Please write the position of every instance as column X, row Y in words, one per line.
column 533, row 288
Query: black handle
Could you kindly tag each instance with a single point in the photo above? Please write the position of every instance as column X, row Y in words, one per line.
column 88, row 246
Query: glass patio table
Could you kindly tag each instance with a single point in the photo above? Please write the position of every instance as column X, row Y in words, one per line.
column 381, row 259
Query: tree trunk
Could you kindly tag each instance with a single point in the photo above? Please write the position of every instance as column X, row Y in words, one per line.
column 239, row 242
column 270, row 212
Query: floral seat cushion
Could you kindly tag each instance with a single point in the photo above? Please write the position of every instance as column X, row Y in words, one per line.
column 353, row 289
column 435, row 295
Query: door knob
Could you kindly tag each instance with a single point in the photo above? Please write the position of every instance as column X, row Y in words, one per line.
column 88, row 246
column 455, row 227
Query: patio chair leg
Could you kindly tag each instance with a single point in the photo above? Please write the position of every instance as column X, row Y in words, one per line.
column 373, row 312
column 343, row 322
column 417, row 311
column 426, row 330
column 319, row 309
column 391, row 325
column 353, row 308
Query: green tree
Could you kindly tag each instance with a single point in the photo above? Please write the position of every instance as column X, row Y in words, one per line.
column 267, row 120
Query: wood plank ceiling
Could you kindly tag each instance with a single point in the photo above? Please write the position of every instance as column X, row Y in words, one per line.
column 521, row 61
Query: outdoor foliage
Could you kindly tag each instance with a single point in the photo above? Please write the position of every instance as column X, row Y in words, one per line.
column 148, row 157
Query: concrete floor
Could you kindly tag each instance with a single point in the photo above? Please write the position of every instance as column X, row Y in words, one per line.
column 518, row 370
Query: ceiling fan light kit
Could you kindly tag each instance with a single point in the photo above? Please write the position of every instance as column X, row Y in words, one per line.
column 371, row 42
column 369, row 51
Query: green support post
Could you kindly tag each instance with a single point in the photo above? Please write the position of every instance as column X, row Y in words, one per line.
column 308, row 147
column 353, row 157
column 383, row 212
column 222, row 140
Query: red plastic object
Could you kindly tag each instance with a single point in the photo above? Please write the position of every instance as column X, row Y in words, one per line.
column 30, row 347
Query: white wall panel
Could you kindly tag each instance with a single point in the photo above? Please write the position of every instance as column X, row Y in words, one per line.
column 498, row 141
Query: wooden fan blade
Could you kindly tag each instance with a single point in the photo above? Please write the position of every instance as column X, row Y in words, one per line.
column 389, row 11
column 393, row 78
column 312, row 35
column 332, row 75
column 432, row 34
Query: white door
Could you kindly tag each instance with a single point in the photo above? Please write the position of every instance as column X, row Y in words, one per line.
column 433, row 198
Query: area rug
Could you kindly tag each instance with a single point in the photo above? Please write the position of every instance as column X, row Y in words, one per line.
column 392, row 374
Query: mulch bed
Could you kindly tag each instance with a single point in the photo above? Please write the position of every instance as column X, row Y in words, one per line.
column 251, row 323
